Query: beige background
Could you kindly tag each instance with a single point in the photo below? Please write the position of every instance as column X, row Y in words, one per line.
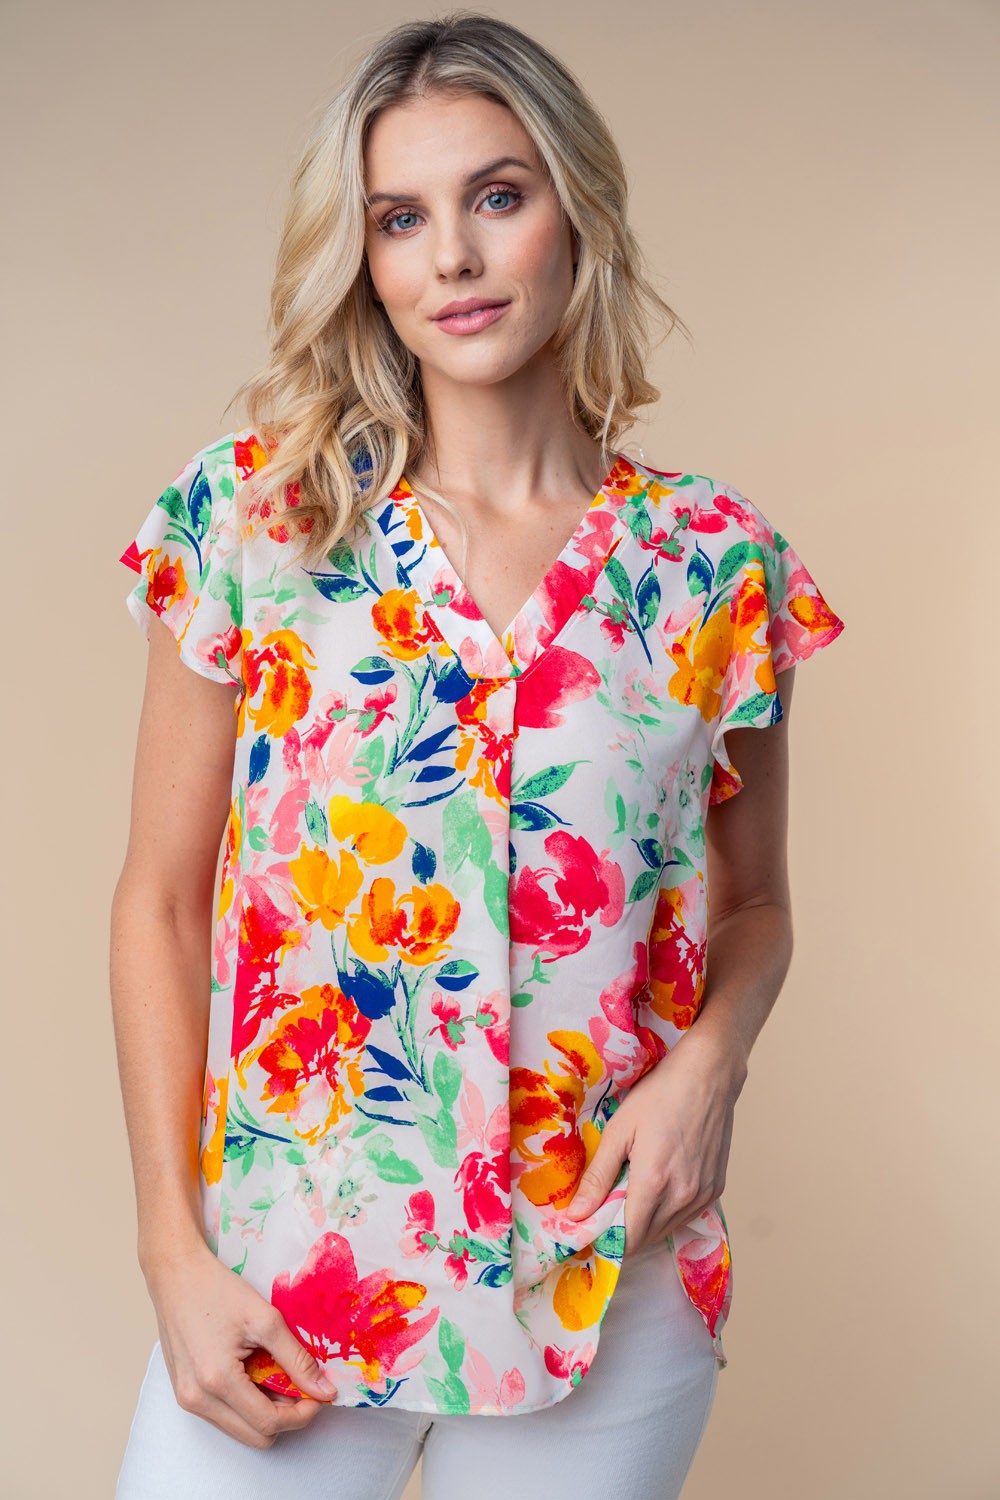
column 815, row 186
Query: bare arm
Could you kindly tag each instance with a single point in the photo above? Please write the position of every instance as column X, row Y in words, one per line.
column 750, row 915
column 161, row 936
column 162, row 914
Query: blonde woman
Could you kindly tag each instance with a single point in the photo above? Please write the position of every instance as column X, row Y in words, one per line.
column 429, row 1081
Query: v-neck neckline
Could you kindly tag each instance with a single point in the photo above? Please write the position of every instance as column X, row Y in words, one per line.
column 542, row 617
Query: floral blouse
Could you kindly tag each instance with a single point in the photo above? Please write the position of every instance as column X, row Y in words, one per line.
column 463, row 907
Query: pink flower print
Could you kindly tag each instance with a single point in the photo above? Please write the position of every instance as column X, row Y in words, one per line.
column 484, row 1390
column 419, row 1238
column 449, row 1013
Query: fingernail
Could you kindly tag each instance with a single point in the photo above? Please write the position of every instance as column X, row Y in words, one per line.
column 326, row 1385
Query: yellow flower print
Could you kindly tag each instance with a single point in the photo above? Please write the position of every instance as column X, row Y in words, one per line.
column 230, row 858
column 375, row 833
column 702, row 656
column 583, row 1289
column 325, row 887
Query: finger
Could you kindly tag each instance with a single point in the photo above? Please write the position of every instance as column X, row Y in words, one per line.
column 267, row 1417
column 209, row 1396
column 686, row 1214
column 259, row 1432
column 599, row 1178
column 270, row 1331
column 222, row 1416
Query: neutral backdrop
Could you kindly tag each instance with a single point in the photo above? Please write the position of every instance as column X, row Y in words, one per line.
column 815, row 188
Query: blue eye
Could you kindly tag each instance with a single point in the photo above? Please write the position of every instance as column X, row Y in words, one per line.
column 393, row 217
column 408, row 213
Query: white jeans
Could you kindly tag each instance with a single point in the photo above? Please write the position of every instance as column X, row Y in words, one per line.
column 632, row 1427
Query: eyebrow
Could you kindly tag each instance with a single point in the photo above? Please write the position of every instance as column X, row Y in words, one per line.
column 487, row 171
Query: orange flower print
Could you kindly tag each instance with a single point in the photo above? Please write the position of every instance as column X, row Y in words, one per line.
column 547, row 1106
column 700, row 655
column 419, row 935
column 313, row 1060
column 216, row 1100
column 280, row 666
column 167, row 583
column 401, row 622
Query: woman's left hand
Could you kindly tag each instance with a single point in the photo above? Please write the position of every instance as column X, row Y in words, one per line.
column 674, row 1126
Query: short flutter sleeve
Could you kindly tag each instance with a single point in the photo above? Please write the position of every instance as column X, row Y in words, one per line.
column 188, row 559
column 778, row 618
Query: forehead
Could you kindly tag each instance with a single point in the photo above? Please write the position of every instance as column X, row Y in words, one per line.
column 439, row 140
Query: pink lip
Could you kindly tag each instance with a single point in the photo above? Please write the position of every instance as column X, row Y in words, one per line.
column 480, row 315
column 469, row 304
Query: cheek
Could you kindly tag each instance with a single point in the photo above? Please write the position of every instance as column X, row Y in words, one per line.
column 393, row 278
column 540, row 253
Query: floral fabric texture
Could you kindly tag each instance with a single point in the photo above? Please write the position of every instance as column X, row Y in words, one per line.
column 463, row 907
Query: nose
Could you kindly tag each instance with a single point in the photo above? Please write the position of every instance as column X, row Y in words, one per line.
column 456, row 251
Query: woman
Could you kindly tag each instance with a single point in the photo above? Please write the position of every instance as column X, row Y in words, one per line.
column 466, row 685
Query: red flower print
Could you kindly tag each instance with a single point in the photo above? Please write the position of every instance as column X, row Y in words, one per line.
column 334, row 1315
column 582, row 882
column 485, row 1182
column 559, row 678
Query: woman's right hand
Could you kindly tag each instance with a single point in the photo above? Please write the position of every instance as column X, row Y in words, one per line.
column 210, row 1320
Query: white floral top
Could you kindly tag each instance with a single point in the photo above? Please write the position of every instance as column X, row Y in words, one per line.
column 463, row 907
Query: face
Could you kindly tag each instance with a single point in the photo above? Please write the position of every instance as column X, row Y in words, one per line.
column 463, row 209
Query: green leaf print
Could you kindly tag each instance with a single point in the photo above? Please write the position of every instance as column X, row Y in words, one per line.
column 730, row 563
column 480, row 1250
column 465, row 834
column 648, row 599
column 611, row 1243
column 338, row 588
column 699, row 574
column 441, row 1138
column 752, row 709
column 172, row 501
column 371, row 758
column 543, row 783
column 447, row 1076
column 456, row 974
column 386, row 1163
column 450, row 1395
column 451, row 1342
column 522, row 1229
column 341, row 556
column 644, row 883
column 317, row 823
column 200, row 506
column 619, row 577
column 652, row 852
column 495, row 897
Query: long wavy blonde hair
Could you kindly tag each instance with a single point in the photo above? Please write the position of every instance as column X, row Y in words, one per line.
column 339, row 403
